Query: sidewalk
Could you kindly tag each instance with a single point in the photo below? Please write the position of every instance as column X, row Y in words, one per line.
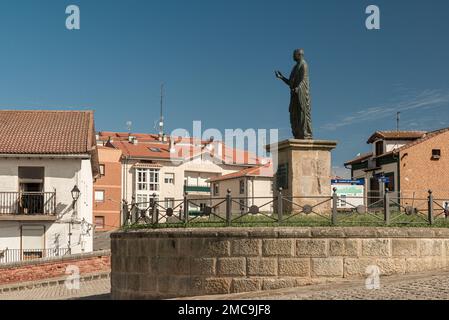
column 92, row 286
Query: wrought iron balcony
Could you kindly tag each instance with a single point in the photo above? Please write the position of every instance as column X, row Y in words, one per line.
column 27, row 204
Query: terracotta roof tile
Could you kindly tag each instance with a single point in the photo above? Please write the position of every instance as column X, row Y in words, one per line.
column 359, row 158
column 258, row 171
column 396, row 135
column 46, row 132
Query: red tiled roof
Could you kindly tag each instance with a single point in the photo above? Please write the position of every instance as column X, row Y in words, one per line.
column 396, row 135
column 184, row 149
column 425, row 137
column 359, row 158
column 259, row 171
column 46, row 132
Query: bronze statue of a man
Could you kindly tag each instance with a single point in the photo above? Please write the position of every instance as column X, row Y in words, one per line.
column 300, row 109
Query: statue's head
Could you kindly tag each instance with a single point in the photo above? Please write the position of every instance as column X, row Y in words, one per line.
column 298, row 55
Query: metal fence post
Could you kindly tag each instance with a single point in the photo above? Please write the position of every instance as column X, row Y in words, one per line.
column 430, row 206
column 134, row 212
column 228, row 208
column 334, row 206
column 186, row 208
column 387, row 206
column 280, row 208
column 154, row 211
column 125, row 213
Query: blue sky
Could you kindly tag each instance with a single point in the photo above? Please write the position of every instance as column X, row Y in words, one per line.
column 217, row 59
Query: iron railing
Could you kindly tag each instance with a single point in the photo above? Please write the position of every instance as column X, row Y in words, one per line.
column 18, row 255
column 27, row 203
column 386, row 209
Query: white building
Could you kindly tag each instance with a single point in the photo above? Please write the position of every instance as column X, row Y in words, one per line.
column 250, row 187
column 43, row 156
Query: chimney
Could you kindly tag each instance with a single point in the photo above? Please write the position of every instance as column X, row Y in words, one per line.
column 172, row 146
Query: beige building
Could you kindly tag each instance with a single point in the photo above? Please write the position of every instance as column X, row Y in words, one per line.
column 408, row 163
column 248, row 187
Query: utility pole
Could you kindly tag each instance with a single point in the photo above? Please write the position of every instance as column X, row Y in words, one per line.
column 161, row 119
column 397, row 120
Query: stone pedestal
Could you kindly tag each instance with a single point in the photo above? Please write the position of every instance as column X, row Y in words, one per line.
column 304, row 172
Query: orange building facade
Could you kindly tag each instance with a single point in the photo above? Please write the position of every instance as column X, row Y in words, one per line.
column 107, row 190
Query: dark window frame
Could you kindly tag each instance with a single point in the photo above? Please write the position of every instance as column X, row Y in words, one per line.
column 104, row 222
column 436, row 154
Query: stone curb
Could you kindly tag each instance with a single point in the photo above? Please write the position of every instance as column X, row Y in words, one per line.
column 283, row 232
column 50, row 282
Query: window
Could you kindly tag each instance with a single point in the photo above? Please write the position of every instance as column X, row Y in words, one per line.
column 379, row 148
column 389, row 181
column 436, row 154
column 147, row 179
column 99, row 222
column 216, row 189
column 102, row 170
column 142, row 201
column 169, row 178
column 169, row 203
column 99, row 195
column 242, row 186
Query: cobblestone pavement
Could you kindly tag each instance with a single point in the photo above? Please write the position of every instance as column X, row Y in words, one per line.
column 429, row 286
column 417, row 287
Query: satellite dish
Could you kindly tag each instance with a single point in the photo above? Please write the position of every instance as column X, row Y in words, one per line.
column 129, row 125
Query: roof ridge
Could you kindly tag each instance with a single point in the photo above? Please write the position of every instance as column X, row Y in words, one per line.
column 48, row 111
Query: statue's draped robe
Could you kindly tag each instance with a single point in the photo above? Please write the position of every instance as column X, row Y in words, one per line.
column 300, row 109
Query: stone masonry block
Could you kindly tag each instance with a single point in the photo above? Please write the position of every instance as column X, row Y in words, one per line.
column 278, row 247
column 404, row 247
column 327, row 267
column 418, row 264
column 392, row 266
column 376, row 247
column 311, row 248
column 296, row 267
column 231, row 266
column 168, row 248
column 356, row 267
column 246, row 247
column 279, row 283
column 203, row 266
column 211, row 248
column 246, row 285
column 430, row 247
column 262, row 266
column 344, row 247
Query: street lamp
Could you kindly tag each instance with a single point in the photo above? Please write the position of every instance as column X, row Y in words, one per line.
column 75, row 195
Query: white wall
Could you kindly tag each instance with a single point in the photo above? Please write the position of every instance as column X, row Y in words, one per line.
column 258, row 192
column 62, row 175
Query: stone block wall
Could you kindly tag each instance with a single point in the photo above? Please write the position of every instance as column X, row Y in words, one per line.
column 153, row 264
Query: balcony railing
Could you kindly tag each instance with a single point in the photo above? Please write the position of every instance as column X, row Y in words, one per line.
column 28, row 203
column 18, row 255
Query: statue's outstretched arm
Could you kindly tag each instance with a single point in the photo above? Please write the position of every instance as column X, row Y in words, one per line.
column 280, row 76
